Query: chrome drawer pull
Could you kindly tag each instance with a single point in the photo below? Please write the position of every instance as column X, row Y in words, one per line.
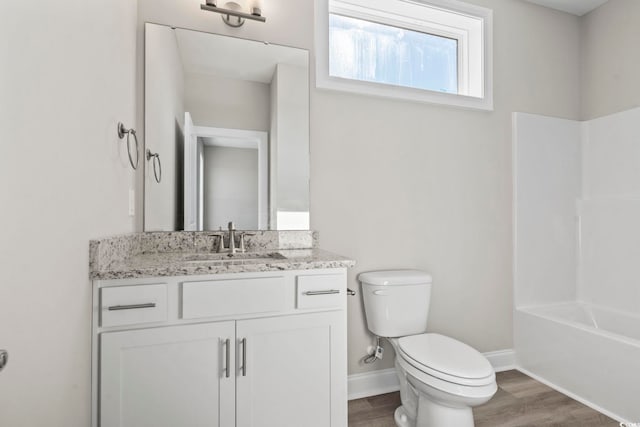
column 327, row 292
column 132, row 306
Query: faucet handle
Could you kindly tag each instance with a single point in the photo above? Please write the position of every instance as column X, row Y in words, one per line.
column 242, row 242
column 231, row 226
column 219, row 244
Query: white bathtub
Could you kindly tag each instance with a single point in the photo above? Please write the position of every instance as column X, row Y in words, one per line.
column 591, row 353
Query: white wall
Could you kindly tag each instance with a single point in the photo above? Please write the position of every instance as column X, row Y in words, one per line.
column 164, row 124
column 398, row 184
column 230, row 187
column 610, row 59
column 547, row 184
column 67, row 78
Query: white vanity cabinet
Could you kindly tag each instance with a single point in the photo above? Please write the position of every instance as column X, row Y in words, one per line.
column 235, row 350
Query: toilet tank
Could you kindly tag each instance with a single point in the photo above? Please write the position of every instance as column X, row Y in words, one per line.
column 396, row 302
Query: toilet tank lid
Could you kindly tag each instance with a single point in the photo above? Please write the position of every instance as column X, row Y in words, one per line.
column 395, row 277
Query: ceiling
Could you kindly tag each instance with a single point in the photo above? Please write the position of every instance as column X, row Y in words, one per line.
column 576, row 7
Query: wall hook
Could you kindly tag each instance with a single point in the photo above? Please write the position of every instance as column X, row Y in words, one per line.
column 122, row 132
column 157, row 166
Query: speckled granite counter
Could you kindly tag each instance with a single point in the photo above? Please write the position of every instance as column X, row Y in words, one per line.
column 189, row 253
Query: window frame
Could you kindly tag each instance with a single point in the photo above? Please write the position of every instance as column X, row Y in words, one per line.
column 388, row 12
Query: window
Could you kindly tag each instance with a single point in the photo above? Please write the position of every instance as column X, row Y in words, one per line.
column 436, row 51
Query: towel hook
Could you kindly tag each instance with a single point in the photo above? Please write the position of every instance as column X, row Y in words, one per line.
column 122, row 131
column 157, row 170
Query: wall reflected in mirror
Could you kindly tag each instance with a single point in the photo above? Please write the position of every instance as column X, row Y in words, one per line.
column 230, row 120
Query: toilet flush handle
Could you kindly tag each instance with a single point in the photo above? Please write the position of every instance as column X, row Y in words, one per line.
column 380, row 293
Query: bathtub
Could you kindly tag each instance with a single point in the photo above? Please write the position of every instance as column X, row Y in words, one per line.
column 590, row 353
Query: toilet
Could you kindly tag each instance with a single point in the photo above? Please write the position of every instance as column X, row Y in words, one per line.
column 441, row 379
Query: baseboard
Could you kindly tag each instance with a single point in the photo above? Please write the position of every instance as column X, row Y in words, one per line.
column 372, row 383
column 385, row 380
column 574, row 396
column 502, row 360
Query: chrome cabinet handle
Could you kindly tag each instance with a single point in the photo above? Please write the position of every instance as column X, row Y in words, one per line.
column 4, row 359
column 327, row 292
column 227, row 358
column 131, row 306
column 243, row 342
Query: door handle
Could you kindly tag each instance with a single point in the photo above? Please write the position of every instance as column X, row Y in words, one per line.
column 4, row 359
column 227, row 357
column 243, row 343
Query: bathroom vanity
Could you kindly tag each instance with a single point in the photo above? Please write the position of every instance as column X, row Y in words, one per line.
column 187, row 338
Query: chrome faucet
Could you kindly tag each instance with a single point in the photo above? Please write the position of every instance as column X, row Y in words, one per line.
column 232, row 238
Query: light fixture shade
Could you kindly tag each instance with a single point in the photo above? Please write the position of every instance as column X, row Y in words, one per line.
column 235, row 12
column 237, row 5
column 256, row 7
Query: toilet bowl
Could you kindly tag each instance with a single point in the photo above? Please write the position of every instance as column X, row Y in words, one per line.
column 441, row 379
column 442, row 395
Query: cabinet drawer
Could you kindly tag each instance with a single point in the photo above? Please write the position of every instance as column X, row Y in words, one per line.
column 129, row 305
column 233, row 297
column 320, row 291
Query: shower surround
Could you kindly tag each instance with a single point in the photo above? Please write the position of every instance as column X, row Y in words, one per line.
column 576, row 248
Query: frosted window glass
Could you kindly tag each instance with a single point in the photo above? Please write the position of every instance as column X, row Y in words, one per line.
column 368, row 51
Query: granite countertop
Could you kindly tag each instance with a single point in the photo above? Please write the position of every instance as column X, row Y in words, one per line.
column 182, row 264
column 119, row 258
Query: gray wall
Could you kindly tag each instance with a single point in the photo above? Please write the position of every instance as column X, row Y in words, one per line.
column 67, row 77
column 610, row 60
column 399, row 184
column 394, row 184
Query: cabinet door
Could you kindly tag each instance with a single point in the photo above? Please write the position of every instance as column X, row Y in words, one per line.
column 295, row 371
column 168, row 377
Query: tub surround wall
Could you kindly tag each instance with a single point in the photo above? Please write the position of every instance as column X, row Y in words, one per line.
column 547, row 183
column 577, row 201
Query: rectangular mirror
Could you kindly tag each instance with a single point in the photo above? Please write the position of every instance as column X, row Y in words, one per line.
column 229, row 121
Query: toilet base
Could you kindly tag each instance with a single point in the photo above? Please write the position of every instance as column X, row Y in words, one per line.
column 432, row 414
column 402, row 419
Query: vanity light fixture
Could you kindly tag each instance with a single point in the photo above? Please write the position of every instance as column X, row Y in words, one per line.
column 233, row 13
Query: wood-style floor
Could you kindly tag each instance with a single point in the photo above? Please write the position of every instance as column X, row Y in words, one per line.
column 519, row 402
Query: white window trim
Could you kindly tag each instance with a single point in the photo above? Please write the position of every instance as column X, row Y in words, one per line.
column 325, row 81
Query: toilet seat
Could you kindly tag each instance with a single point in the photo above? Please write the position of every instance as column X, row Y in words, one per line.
column 446, row 359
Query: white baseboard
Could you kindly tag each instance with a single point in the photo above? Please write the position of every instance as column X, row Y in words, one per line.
column 372, row 383
column 502, row 360
column 385, row 380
